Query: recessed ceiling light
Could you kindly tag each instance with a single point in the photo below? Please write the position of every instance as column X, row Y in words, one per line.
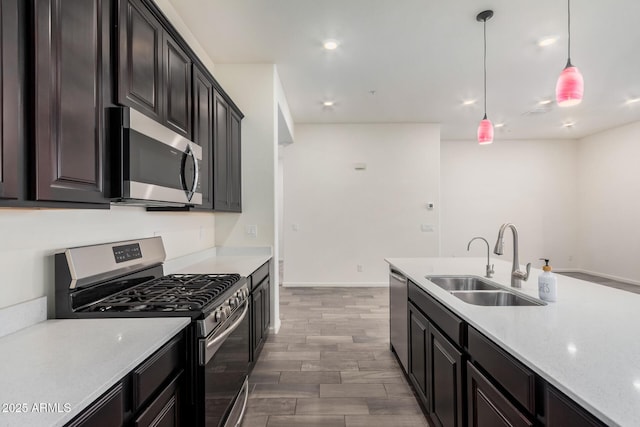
column 468, row 102
column 632, row 101
column 545, row 102
column 330, row 44
column 498, row 125
column 328, row 103
column 547, row 41
column 568, row 124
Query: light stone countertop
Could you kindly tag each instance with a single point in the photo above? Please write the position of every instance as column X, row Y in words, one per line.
column 586, row 344
column 68, row 364
column 242, row 265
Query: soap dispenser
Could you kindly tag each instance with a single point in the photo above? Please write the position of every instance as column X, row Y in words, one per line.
column 547, row 283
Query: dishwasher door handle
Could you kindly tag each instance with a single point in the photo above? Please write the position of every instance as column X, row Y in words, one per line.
column 397, row 275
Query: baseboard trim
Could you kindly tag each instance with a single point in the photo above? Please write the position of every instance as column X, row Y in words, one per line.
column 275, row 329
column 335, row 284
column 597, row 273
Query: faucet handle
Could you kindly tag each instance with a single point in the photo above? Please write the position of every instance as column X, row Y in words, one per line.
column 521, row 275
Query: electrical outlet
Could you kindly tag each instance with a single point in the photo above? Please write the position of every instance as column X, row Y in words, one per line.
column 360, row 268
column 426, row 228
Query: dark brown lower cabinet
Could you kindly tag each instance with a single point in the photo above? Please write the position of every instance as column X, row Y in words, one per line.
column 259, row 310
column 418, row 353
column 261, row 313
column 107, row 411
column 164, row 411
column 257, row 314
column 266, row 312
column 487, row 406
column 446, row 381
column 563, row 412
column 150, row 395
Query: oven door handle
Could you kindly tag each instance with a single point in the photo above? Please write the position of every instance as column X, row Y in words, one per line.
column 209, row 348
column 235, row 418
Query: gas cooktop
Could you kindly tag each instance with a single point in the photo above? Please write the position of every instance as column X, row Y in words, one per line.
column 172, row 293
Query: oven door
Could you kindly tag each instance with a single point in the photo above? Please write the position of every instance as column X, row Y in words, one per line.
column 223, row 372
column 154, row 165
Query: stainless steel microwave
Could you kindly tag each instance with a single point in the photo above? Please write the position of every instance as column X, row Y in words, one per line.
column 151, row 164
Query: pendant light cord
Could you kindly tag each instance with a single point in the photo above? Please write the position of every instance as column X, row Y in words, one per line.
column 485, row 67
column 568, row 33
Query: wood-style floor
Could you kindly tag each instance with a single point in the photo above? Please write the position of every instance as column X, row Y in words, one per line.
column 330, row 364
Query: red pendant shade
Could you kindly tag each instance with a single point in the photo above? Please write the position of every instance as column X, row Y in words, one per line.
column 485, row 132
column 570, row 87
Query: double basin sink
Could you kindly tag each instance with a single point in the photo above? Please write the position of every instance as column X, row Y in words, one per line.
column 480, row 291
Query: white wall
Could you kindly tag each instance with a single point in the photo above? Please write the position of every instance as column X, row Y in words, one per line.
column 529, row 183
column 257, row 91
column 347, row 217
column 29, row 238
column 609, row 202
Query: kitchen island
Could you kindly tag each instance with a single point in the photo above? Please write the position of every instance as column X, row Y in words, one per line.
column 584, row 344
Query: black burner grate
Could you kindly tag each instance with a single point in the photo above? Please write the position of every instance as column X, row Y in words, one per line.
column 175, row 292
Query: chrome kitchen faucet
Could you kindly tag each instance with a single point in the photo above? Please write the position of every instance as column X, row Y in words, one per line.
column 517, row 276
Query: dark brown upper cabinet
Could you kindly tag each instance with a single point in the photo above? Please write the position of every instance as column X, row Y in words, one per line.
column 11, row 106
column 235, row 164
column 177, row 67
column 227, row 180
column 71, row 60
column 154, row 72
column 203, row 131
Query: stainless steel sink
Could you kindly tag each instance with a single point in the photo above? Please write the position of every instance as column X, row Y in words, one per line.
column 495, row 298
column 480, row 291
column 463, row 283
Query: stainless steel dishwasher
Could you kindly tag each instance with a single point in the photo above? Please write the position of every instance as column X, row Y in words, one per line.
column 398, row 295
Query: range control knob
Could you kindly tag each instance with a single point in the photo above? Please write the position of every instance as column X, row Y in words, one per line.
column 227, row 311
column 234, row 302
column 220, row 315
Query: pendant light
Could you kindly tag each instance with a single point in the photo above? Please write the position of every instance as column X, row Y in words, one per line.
column 570, row 85
column 485, row 129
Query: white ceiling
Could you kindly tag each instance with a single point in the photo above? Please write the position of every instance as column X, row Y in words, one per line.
column 424, row 57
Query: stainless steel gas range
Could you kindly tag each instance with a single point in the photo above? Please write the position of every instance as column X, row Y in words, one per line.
column 126, row 279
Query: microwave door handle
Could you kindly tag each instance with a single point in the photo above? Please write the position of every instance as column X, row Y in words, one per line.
column 196, row 174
